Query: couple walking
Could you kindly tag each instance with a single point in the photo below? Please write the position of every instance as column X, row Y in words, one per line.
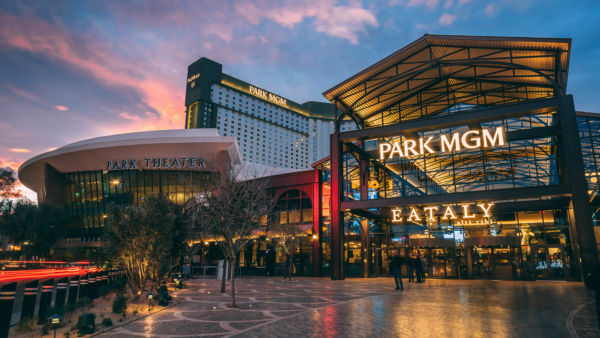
column 415, row 265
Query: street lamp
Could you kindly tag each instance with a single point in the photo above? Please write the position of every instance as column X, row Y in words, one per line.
column 150, row 300
column 55, row 320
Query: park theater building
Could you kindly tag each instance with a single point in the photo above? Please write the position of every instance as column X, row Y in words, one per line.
column 467, row 150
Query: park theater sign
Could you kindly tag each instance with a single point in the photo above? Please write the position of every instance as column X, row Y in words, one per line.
column 472, row 139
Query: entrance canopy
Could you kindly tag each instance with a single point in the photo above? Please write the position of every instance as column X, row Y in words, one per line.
column 441, row 74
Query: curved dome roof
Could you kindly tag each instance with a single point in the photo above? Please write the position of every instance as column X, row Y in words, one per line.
column 95, row 153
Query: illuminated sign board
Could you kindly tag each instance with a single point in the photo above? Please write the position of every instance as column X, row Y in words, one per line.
column 265, row 95
column 471, row 139
column 464, row 214
column 193, row 77
column 157, row 163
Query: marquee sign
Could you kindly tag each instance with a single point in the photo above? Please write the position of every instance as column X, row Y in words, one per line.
column 472, row 139
column 465, row 214
column 157, row 163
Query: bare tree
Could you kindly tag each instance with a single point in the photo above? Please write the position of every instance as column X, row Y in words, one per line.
column 230, row 213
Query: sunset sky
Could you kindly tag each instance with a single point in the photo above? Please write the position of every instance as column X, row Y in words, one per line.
column 72, row 70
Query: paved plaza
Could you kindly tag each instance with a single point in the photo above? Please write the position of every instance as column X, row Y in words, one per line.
column 320, row 307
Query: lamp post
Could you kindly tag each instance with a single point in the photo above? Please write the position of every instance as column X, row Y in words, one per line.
column 55, row 320
column 150, row 297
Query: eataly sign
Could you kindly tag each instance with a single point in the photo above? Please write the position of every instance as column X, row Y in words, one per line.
column 465, row 212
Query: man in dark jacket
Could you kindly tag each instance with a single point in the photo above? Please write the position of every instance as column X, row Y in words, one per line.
column 396, row 268
column 419, row 269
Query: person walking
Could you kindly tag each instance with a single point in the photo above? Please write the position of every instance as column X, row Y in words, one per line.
column 396, row 269
column 419, row 268
column 423, row 269
column 271, row 258
column 410, row 264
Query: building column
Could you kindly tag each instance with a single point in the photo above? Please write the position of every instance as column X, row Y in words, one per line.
column 364, row 232
column 580, row 213
column 337, row 217
column 316, row 204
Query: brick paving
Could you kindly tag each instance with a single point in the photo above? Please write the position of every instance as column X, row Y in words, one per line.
column 320, row 307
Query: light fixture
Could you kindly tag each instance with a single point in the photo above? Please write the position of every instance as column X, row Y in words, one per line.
column 315, row 237
column 115, row 182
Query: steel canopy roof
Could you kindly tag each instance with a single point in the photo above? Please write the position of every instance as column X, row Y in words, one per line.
column 439, row 74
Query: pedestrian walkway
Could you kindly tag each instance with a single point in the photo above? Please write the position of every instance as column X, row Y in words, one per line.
column 269, row 307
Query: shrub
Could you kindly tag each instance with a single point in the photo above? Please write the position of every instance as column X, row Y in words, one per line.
column 26, row 325
column 59, row 310
column 70, row 307
column 107, row 322
column 45, row 328
column 103, row 291
column 84, row 301
column 119, row 304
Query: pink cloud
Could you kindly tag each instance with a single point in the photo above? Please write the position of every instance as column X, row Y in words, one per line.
column 61, row 108
column 446, row 19
column 431, row 4
column 491, row 10
column 345, row 22
column 19, row 150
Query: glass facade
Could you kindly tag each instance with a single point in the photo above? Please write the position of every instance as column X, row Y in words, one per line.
column 87, row 194
column 589, row 134
column 516, row 238
column 520, row 162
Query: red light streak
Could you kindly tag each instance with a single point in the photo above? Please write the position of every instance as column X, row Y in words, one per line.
column 23, row 275
column 33, row 262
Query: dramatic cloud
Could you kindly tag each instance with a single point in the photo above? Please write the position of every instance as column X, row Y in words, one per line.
column 92, row 56
column 345, row 22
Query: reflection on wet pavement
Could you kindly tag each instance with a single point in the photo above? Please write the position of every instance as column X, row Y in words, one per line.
column 269, row 307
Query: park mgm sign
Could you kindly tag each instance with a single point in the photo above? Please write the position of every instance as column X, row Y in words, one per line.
column 472, row 139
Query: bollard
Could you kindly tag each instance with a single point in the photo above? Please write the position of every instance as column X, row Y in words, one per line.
column 45, row 300
column 73, row 290
column 83, row 287
column 29, row 298
column 61, row 292
column 7, row 299
column 92, row 287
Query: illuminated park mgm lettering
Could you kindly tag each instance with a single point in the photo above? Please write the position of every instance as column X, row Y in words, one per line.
column 157, row 163
column 472, row 139
column 464, row 214
column 265, row 95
